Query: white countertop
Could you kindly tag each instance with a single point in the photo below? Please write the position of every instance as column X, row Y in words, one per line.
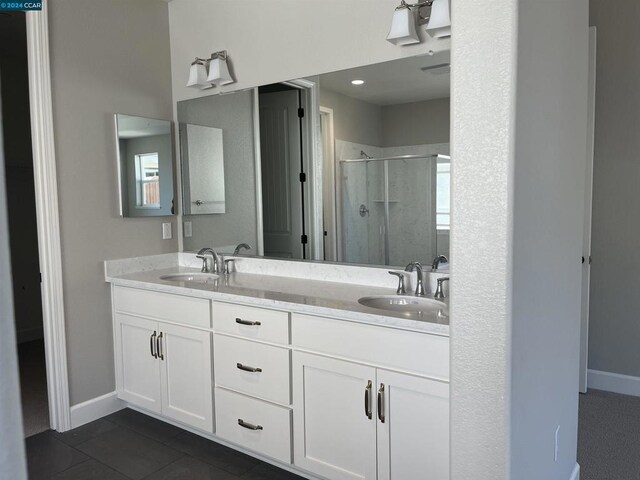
column 313, row 297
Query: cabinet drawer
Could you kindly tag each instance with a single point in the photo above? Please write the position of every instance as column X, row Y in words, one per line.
column 272, row 433
column 163, row 306
column 251, row 322
column 233, row 358
column 381, row 346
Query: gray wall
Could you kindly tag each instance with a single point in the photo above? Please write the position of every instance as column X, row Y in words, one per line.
column 19, row 173
column 135, row 146
column 614, row 330
column 234, row 115
column 416, row 123
column 107, row 56
column 12, row 459
column 519, row 93
column 354, row 120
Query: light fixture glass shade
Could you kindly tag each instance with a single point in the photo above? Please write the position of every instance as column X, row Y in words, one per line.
column 440, row 19
column 219, row 72
column 198, row 76
column 403, row 28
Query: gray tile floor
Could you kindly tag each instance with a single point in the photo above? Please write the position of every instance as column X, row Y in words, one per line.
column 130, row 445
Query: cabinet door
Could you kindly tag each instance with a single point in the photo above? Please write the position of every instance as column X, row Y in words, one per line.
column 413, row 427
column 187, row 386
column 334, row 436
column 138, row 369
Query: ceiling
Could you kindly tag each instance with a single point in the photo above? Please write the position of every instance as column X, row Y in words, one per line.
column 135, row 127
column 394, row 82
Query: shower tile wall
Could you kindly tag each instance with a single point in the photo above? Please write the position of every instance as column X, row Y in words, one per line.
column 412, row 234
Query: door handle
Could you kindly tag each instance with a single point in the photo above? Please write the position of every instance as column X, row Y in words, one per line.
column 367, row 400
column 249, row 426
column 248, row 369
column 152, row 341
column 247, row 322
column 380, row 404
column 159, row 347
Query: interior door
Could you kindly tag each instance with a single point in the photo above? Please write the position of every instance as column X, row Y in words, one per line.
column 413, row 427
column 187, row 380
column 280, row 150
column 138, row 368
column 588, row 195
column 335, row 418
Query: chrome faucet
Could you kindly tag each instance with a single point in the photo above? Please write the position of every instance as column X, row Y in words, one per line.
column 439, row 291
column 202, row 255
column 438, row 260
column 400, row 290
column 240, row 246
column 418, row 268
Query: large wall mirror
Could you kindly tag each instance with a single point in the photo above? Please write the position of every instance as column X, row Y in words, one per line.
column 351, row 166
column 145, row 166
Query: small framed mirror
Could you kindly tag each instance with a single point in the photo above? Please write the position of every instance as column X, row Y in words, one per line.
column 145, row 166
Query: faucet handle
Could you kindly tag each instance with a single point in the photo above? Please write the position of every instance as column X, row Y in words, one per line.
column 226, row 269
column 401, row 289
column 204, row 262
column 439, row 291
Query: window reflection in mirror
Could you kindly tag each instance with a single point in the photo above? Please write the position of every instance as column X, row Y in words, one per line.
column 145, row 164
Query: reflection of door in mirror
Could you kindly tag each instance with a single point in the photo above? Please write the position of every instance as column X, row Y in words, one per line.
column 281, row 157
column 202, row 169
column 145, row 163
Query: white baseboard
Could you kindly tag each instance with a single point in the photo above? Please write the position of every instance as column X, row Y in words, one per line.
column 613, row 382
column 576, row 473
column 95, row 408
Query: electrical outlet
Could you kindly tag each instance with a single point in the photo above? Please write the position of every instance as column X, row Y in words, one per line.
column 166, row 231
column 556, row 444
column 187, row 230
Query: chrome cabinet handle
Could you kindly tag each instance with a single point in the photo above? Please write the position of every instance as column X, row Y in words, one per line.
column 249, row 426
column 367, row 400
column 248, row 369
column 152, row 343
column 159, row 347
column 247, row 322
column 380, row 405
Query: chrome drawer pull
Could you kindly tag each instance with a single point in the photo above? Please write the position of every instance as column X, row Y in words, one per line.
column 248, row 369
column 380, row 403
column 367, row 400
column 152, row 341
column 248, row 322
column 249, row 426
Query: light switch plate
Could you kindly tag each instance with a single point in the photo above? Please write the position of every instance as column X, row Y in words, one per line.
column 166, row 231
column 188, row 231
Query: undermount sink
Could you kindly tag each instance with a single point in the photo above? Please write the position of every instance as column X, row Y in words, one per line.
column 402, row 303
column 191, row 277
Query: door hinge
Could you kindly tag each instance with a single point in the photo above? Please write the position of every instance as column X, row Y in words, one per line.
column 303, row 239
column 301, row 113
column 303, row 177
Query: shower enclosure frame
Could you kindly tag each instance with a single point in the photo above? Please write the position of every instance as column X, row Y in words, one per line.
column 386, row 220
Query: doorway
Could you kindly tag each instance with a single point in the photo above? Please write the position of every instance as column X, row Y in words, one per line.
column 23, row 234
column 283, row 172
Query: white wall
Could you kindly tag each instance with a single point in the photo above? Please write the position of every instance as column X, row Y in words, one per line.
column 107, row 56
column 614, row 329
column 519, row 94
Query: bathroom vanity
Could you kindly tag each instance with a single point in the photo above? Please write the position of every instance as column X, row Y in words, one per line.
column 294, row 371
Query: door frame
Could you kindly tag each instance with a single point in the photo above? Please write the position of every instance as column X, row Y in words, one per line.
column 329, row 144
column 588, row 205
column 47, row 217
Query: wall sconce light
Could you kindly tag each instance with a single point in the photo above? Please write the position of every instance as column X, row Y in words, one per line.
column 403, row 25
column 218, row 71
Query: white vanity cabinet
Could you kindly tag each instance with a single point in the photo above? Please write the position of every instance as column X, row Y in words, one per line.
column 161, row 366
column 355, row 419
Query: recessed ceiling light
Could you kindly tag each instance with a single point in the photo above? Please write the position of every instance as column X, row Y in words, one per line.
column 357, row 82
